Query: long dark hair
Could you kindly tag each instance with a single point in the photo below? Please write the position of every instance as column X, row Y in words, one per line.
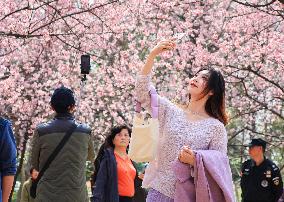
column 107, row 144
column 113, row 132
column 215, row 105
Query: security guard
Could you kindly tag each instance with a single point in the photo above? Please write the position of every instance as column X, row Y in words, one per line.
column 260, row 177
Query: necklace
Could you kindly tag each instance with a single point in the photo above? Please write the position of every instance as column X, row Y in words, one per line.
column 195, row 113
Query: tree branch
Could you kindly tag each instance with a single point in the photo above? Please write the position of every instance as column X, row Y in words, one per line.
column 261, row 103
column 71, row 14
column 254, row 5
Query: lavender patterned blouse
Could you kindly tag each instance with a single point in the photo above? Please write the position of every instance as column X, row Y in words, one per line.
column 176, row 130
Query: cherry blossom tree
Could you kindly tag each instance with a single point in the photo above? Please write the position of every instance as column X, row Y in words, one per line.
column 41, row 43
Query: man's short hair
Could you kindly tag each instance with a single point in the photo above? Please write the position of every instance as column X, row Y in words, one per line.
column 61, row 99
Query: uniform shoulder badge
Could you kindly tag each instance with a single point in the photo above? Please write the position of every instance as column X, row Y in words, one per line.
column 276, row 181
column 274, row 167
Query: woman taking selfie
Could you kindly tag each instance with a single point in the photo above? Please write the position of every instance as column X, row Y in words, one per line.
column 191, row 138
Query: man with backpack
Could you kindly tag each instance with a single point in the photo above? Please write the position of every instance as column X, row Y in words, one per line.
column 60, row 149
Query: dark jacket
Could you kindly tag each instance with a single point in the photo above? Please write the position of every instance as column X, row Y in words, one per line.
column 261, row 183
column 106, row 183
column 8, row 151
column 140, row 193
column 65, row 179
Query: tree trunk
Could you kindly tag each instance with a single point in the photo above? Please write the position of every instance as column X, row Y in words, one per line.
column 23, row 179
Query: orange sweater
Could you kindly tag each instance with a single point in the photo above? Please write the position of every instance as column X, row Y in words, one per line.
column 126, row 174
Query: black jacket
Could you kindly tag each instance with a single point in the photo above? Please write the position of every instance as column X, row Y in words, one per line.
column 261, row 183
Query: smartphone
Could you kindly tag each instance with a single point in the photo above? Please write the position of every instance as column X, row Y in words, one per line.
column 85, row 64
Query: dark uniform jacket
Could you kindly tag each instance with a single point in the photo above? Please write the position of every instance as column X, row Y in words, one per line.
column 261, row 183
column 65, row 179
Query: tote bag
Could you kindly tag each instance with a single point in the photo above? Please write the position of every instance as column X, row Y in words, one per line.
column 144, row 138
